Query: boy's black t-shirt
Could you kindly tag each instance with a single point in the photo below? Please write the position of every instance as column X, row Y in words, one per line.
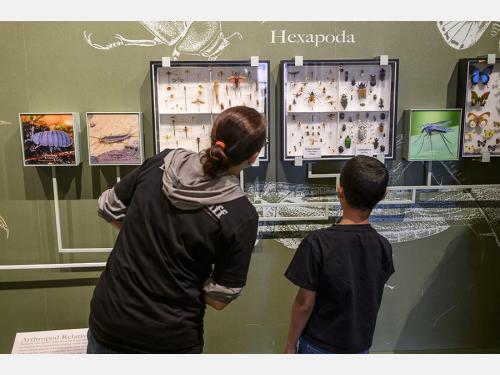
column 149, row 298
column 347, row 266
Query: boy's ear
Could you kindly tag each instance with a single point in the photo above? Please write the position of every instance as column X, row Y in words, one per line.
column 340, row 191
column 385, row 194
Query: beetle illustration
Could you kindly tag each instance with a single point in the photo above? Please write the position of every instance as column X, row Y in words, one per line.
column 53, row 139
column 201, row 38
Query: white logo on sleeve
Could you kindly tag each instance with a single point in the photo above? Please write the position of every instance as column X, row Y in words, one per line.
column 218, row 210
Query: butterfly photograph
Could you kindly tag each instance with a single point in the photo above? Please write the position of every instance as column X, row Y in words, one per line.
column 476, row 99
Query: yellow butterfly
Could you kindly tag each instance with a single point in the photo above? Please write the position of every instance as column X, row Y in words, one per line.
column 470, row 149
column 476, row 99
column 469, row 136
column 488, row 133
column 478, row 120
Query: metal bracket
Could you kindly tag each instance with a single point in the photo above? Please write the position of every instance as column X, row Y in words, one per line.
column 299, row 60
column 254, row 60
column 298, row 162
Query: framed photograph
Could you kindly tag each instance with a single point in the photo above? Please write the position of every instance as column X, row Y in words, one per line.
column 115, row 138
column 432, row 134
column 331, row 109
column 50, row 139
column 478, row 91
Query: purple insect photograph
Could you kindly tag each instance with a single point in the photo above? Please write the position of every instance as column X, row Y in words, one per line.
column 48, row 139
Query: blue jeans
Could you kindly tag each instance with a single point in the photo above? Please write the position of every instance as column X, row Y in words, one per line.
column 305, row 347
column 93, row 346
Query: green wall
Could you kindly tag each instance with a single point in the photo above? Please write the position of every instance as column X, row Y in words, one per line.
column 445, row 292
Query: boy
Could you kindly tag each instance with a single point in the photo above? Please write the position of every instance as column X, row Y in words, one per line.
column 341, row 270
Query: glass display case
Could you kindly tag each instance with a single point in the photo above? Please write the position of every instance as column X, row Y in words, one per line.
column 478, row 95
column 188, row 96
column 331, row 108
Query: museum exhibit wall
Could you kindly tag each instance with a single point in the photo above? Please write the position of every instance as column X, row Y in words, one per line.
column 444, row 295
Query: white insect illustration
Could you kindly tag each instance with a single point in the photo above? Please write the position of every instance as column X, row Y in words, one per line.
column 464, row 34
column 4, row 226
column 200, row 38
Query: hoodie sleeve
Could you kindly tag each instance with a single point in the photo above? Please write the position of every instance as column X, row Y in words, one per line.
column 232, row 263
column 112, row 204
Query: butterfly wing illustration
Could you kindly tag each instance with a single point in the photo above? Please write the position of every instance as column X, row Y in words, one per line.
column 462, row 35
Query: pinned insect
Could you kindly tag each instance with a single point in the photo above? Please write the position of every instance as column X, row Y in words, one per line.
column 178, row 80
column 198, row 143
column 311, row 98
column 297, row 94
column 353, row 81
column 381, row 103
column 478, row 76
column 362, row 73
column 347, row 142
column 343, row 101
column 346, row 76
column 186, row 130
column 374, row 96
column 216, row 91
column 293, row 74
column 496, row 124
column 468, row 136
column 430, row 129
column 492, row 148
column 470, row 149
column 476, row 99
column 381, row 75
column 382, row 148
column 342, row 115
column 375, row 143
column 382, row 116
column 381, row 127
column 488, row 133
column 478, row 120
column 198, row 102
column 341, row 149
column 481, row 143
column 200, row 90
column 373, row 80
column 361, row 90
column 236, row 79
column 168, row 73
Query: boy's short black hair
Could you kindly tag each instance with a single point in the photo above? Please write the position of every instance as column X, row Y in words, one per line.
column 364, row 180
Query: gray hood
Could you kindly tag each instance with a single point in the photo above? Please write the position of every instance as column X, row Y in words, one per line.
column 187, row 187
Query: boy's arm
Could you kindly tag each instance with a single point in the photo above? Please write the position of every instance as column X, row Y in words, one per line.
column 301, row 311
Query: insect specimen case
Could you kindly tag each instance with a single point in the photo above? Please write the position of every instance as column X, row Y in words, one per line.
column 479, row 96
column 331, row 108
column 50, row 139
column 432, row 134
column 188, row 96
column 115, row 138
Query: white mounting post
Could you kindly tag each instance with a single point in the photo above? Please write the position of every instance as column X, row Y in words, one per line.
column 298, row 162
column 492, row 58
column 254, row 60
column 299, row 60
column 383, row 59
column 165, row 61
column 485, row 157
column 56, row 209
column 429, row 173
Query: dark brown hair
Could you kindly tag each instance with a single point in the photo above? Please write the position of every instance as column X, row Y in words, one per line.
column 364, row 180
column 243, row 132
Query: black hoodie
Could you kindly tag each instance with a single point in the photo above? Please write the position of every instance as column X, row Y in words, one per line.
column 149, row 299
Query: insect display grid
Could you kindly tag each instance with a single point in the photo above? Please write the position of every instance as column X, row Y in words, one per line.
column 336, row 107
column 190, row 97
column 482, row 122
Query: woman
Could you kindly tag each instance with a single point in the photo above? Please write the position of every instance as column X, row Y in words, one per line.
column 187, row 232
